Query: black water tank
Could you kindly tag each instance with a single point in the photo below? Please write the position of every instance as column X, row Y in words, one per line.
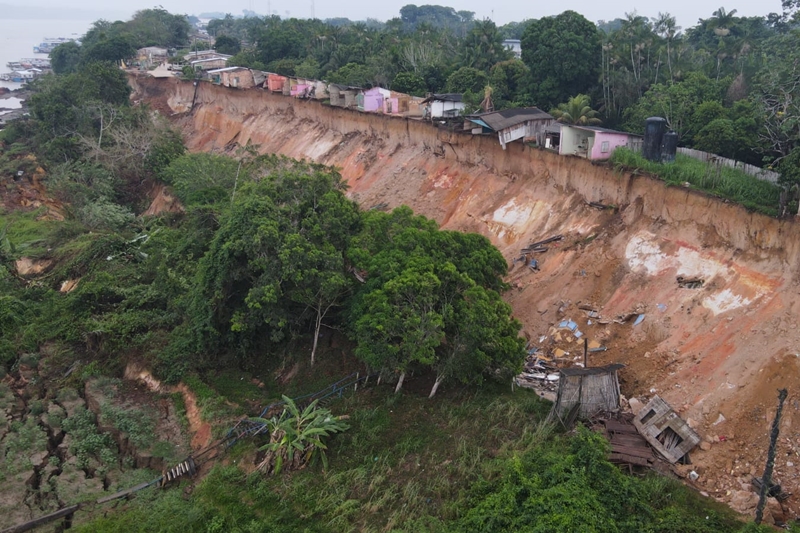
column 669, row 147
column 653, row 137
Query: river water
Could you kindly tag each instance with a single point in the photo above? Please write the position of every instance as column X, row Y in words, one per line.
column 18, row 37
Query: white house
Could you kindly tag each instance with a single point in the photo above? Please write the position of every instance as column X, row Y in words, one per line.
column 443, row 105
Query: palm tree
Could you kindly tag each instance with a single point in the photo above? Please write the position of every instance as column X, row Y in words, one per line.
column 667, row 28
column 577, row 110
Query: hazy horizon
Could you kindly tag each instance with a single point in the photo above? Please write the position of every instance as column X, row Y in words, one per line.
column 500, row 11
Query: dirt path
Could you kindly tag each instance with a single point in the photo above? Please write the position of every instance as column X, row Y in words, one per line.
column 200, row 430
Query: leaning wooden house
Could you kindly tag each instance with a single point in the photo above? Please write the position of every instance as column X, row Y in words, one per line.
column 527, row 124
column 586, row 392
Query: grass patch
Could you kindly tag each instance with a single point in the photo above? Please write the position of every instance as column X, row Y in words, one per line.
column 28, row 235
column 467, row 461
column 729, row 183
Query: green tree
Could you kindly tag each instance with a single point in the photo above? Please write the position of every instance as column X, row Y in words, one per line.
column 467, row 79
column 61, row 106
column 352, row 74
column 507, row 80
column 158, row 27
column 676, row 102
column 110, row 49
column 201, row 178
column 275, row 267
column 563, row 55
column 401, row 324
column 225, row 44
column 482, row 337
column 427, row 299
column 577, row 110
column 409, row 83
column 483, row 46
column 65, row 57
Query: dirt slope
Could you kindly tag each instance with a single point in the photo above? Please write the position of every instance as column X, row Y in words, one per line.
column 722, row 349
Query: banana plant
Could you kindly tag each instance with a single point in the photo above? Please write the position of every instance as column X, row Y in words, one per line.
column 297, row 438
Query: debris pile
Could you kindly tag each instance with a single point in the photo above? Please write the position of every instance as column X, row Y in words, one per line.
column 538, row 247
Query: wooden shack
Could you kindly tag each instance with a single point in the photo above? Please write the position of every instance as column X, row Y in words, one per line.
column 668, row 433
column 343, row 95
column 586, row 392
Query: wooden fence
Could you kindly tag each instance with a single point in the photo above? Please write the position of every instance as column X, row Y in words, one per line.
column 750, row 170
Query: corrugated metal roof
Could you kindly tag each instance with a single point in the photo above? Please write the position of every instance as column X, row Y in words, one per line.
column 598, row 128
column 444, row 97
column 226, row 69
column 500, row 120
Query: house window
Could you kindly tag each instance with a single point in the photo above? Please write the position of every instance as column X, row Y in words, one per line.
column 604, row 147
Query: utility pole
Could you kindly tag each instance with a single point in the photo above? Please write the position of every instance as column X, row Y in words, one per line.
column 312, row 10
column 766, row 479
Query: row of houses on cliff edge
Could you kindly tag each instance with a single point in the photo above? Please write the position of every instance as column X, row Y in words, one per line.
column 529, row 125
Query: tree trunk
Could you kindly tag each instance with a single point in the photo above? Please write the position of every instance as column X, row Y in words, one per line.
column 669, row 60
column 318, row 325
column 400, row 383
column 436, row 386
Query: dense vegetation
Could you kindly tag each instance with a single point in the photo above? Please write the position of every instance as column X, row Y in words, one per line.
column 269, row 255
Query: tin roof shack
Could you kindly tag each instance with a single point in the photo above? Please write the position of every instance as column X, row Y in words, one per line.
column 343, row 95
column 275, row 82
column 446, row 105
column 204, row 54
column 238, row 77
column 211, row 63
column 585, row 392
column 592, row 142
column 513, row 124
column 259, row 77
column 668, row 433
column 151, row 55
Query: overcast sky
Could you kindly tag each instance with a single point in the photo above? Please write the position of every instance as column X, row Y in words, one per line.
column 501, row 11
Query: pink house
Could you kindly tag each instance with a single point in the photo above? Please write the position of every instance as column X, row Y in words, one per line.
column 592, row 142
column 374, row 98
column 300, row 90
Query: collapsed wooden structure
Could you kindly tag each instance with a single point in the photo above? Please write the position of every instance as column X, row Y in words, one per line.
column 586, row 392
column 667, row 432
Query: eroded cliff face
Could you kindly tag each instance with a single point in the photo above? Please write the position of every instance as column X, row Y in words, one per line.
column 722, row 349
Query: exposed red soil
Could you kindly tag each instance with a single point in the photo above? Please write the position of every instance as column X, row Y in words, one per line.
column 722, row 349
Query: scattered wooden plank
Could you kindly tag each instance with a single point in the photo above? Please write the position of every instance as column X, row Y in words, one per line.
column 628, row 459
column 633, row 450
column 123, row 493
column 619, row 427
column 546, row 241
column 27, row 526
